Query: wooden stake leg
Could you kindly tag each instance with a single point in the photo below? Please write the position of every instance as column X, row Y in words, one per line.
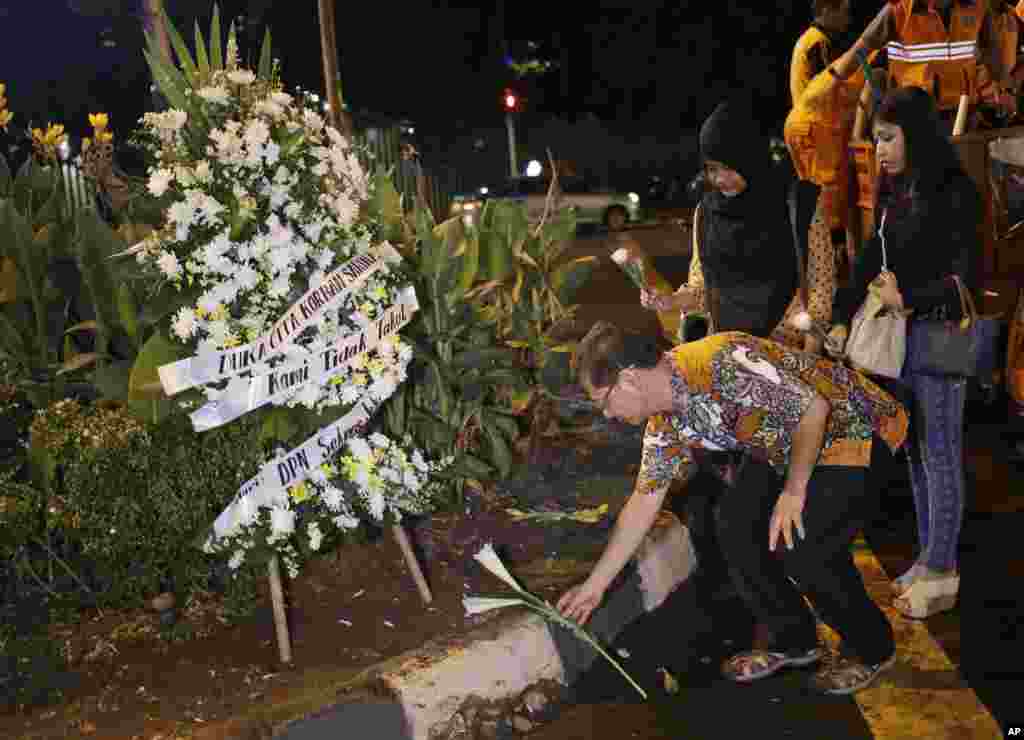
column 402, row 538
column 284, row 642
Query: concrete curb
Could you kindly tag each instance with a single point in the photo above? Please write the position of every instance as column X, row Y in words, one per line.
column 462, row 686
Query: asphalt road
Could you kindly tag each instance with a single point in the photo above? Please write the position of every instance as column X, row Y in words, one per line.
column 690, row 634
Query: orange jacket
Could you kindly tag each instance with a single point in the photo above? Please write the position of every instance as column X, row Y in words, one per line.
column 1006, row 37
column 926, row 54
column 818, row 127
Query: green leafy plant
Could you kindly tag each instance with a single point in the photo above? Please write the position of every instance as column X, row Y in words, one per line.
column 453, row 404
column 138, row 510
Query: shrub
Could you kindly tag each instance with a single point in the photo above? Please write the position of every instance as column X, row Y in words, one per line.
column 139, row 510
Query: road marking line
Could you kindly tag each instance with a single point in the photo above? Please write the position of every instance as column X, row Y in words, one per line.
column 923, row 695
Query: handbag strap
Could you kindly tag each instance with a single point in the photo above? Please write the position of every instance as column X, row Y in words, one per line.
column 967, row 306
column 881, row 237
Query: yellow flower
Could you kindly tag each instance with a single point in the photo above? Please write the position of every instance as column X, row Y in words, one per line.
column 5, row 118
column 46, row 142
column 86, row 143
column 103, row 136
column 99, row 121
column 299, row 492
column 219, row 313
column 3, row 89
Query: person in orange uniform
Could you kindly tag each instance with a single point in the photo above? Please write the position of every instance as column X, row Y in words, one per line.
column 818, row 127
column 946, row 47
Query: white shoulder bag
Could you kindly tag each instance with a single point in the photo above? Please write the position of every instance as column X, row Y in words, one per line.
column 878, row 336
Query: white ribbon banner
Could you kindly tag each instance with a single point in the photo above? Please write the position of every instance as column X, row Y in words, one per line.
column 208, row 367
column 248, row 394
column 269, row 485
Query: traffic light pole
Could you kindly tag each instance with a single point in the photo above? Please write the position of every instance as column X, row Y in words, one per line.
column 513, row 164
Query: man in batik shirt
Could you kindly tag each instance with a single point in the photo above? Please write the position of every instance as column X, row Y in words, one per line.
column 813, row 421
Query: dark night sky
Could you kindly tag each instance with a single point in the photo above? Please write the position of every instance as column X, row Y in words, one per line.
column 439, row 63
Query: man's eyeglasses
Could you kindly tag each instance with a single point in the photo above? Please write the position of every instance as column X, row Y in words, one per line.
column 611, row 389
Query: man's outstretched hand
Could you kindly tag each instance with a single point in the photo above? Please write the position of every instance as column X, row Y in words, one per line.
column 580, row 601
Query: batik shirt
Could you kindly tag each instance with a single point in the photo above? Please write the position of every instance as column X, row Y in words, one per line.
column 732, row 391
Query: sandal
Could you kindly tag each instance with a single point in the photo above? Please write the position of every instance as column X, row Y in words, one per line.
column 847, row 675
column 900, row 584
column 754, row 664
column 928, row 596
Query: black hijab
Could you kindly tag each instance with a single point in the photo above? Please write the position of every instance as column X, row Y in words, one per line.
column 746, row 245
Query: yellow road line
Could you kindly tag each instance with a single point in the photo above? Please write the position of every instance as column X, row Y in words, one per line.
column 923, row 695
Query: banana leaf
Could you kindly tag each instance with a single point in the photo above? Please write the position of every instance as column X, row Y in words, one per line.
column 5, row 177
column 144, row 380
column 570, row 277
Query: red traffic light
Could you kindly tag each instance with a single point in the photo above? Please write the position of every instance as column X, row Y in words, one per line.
column 510, row 100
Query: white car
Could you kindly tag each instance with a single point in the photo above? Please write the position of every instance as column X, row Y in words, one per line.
column 591, row 205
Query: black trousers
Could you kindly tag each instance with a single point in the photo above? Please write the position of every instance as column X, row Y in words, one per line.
column 837, row 503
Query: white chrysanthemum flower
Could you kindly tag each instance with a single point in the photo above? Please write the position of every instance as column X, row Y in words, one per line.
column 159, row 181
column 282, row 522
column 236, row 560
column 316, row 537
column 242, row 76
column 169, row 265
column 184, row 325
column 281, row 98
column 268, row 108
column 418, row 462
column 346, row 522
column 214, row 94
column 379, row 440
column 488, row 558
column 360, row 449
column 271, row 153
column 203, row 172
column 332, row 498
column 376, row 504
column 349, row 394
column 247, row 277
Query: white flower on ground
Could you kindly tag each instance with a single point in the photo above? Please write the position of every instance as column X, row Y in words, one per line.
column 620, row 256
column 488, row 558
column 479, row 604
column 159, row 181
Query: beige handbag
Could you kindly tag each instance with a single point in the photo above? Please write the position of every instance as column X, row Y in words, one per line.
column 878, row 336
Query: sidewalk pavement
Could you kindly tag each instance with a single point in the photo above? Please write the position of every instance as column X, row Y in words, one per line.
column 503, row 671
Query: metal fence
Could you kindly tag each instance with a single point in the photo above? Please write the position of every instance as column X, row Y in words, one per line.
column 79, row 191
column 442, row 182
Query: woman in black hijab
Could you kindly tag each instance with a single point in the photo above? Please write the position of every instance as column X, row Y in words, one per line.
column 744, row 239
column 748, row 267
